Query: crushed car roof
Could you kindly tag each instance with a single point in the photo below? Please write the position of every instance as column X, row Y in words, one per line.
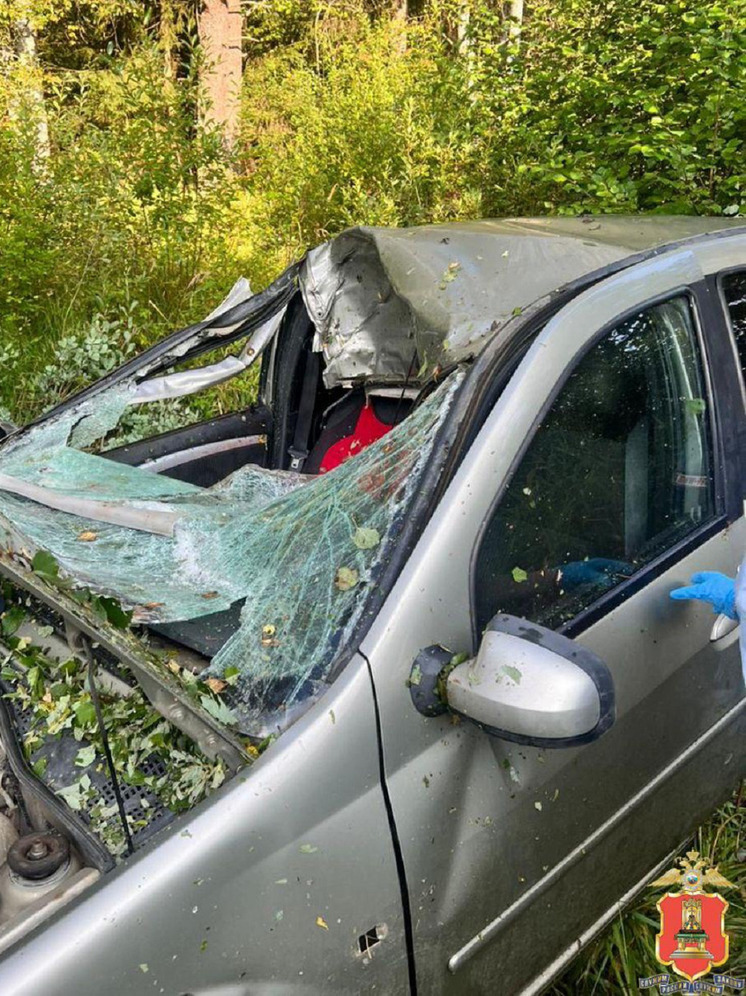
column 383, row 299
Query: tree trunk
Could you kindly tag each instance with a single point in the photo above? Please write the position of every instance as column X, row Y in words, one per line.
column 401, row 14
column 220, row 29
column 462, row 29
column 24, row 37
column 516, row 21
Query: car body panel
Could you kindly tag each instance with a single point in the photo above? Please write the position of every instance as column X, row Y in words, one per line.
column 484, row 822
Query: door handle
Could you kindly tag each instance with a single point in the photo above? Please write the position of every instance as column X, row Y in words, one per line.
column 725, row 631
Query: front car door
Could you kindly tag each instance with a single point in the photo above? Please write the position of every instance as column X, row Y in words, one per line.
column 600, row 481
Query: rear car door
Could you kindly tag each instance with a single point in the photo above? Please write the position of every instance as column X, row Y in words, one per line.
column 598, row 483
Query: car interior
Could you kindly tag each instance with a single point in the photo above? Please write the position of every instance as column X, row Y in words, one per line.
column 297, row 424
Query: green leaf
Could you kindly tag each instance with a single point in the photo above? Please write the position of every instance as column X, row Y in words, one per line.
column 218, row 710
column 696, row 406
column 114, row 612
column 85, row 756
column 513, row 673
column 39, row 767
column 366, row 539
column 347, row 577
column 519, row 575
column 45, row 565
column 85, row 712
column 12, row 619
column 98, row 608
column 74, row 795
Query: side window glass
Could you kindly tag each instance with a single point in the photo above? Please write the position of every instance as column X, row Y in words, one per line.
column 734, row 291
column 618, row 471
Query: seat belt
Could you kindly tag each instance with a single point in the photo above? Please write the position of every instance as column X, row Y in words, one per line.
column 302, row 435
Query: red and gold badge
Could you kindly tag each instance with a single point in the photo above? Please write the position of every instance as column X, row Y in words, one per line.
column 692, row 938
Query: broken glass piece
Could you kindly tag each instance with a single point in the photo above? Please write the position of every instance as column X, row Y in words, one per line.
column 273, row 540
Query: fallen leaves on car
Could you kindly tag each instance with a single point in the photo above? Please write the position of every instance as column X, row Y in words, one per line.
column 218, row 710
column 512, row 672
column 366, row 539
column 519, row 575
column 216, row 685
column 85, row 756
column 347, row 577
column 450, row 274
column 307, row 849
column 87, row 536
column 321, row 922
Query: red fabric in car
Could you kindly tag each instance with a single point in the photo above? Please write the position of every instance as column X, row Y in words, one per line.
column 367, row 430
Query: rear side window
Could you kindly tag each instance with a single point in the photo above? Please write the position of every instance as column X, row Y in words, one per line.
column 618, row 471
column 734, row 291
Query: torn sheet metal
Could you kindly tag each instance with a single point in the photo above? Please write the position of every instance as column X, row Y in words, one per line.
column 185, row 382
column 379, row 297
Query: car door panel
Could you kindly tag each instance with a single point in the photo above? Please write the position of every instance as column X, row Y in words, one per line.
column 539, row 844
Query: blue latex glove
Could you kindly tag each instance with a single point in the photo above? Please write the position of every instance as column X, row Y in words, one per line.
column 597, row 570
column 713, row 587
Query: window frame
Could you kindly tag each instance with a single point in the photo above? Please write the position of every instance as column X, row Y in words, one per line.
column 696, row 293
column 719, row 278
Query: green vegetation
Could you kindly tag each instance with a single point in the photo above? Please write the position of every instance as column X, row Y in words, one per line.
column 56, row 696
column 137, row 217
column 123, row 215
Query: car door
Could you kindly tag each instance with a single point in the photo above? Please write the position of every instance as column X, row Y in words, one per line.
column 600, row 465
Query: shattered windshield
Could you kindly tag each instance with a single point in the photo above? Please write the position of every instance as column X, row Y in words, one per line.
column 288, row 557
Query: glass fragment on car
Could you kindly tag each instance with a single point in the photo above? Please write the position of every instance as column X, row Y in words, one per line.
column 295, row 553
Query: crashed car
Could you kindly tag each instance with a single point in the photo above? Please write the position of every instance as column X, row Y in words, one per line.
column 377, row 685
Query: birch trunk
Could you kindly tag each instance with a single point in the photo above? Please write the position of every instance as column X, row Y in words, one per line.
column 24, row 38
column 516, row 21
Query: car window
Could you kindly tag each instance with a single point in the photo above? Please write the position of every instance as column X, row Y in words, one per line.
column 618, row 471
column 734, row 291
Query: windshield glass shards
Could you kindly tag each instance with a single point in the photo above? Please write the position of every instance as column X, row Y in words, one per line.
column 285, row 558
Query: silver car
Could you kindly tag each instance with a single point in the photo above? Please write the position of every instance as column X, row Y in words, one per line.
column 405, row 622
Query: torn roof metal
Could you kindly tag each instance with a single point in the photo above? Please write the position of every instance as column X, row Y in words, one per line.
column 389, row 304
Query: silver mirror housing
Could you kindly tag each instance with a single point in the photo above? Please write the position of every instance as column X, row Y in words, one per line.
column 527, row 684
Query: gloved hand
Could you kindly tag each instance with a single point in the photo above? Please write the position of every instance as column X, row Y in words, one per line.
column 594, row 571
column 713, row 587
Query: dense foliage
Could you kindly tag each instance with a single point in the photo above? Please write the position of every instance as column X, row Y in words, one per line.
column 350, row 115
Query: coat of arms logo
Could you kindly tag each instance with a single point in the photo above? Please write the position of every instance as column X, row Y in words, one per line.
column 692, row 939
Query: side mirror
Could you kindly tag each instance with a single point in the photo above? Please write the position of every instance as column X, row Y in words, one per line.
column 527, row 684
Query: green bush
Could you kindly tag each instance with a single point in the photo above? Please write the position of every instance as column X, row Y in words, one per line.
column 347, row 119
column 617, row 107
column 355, row 133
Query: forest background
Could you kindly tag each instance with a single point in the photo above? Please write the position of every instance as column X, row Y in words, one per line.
column 152, row 151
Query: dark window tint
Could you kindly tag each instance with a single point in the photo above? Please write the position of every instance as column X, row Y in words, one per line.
column 618, row 471
column 734, row 289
